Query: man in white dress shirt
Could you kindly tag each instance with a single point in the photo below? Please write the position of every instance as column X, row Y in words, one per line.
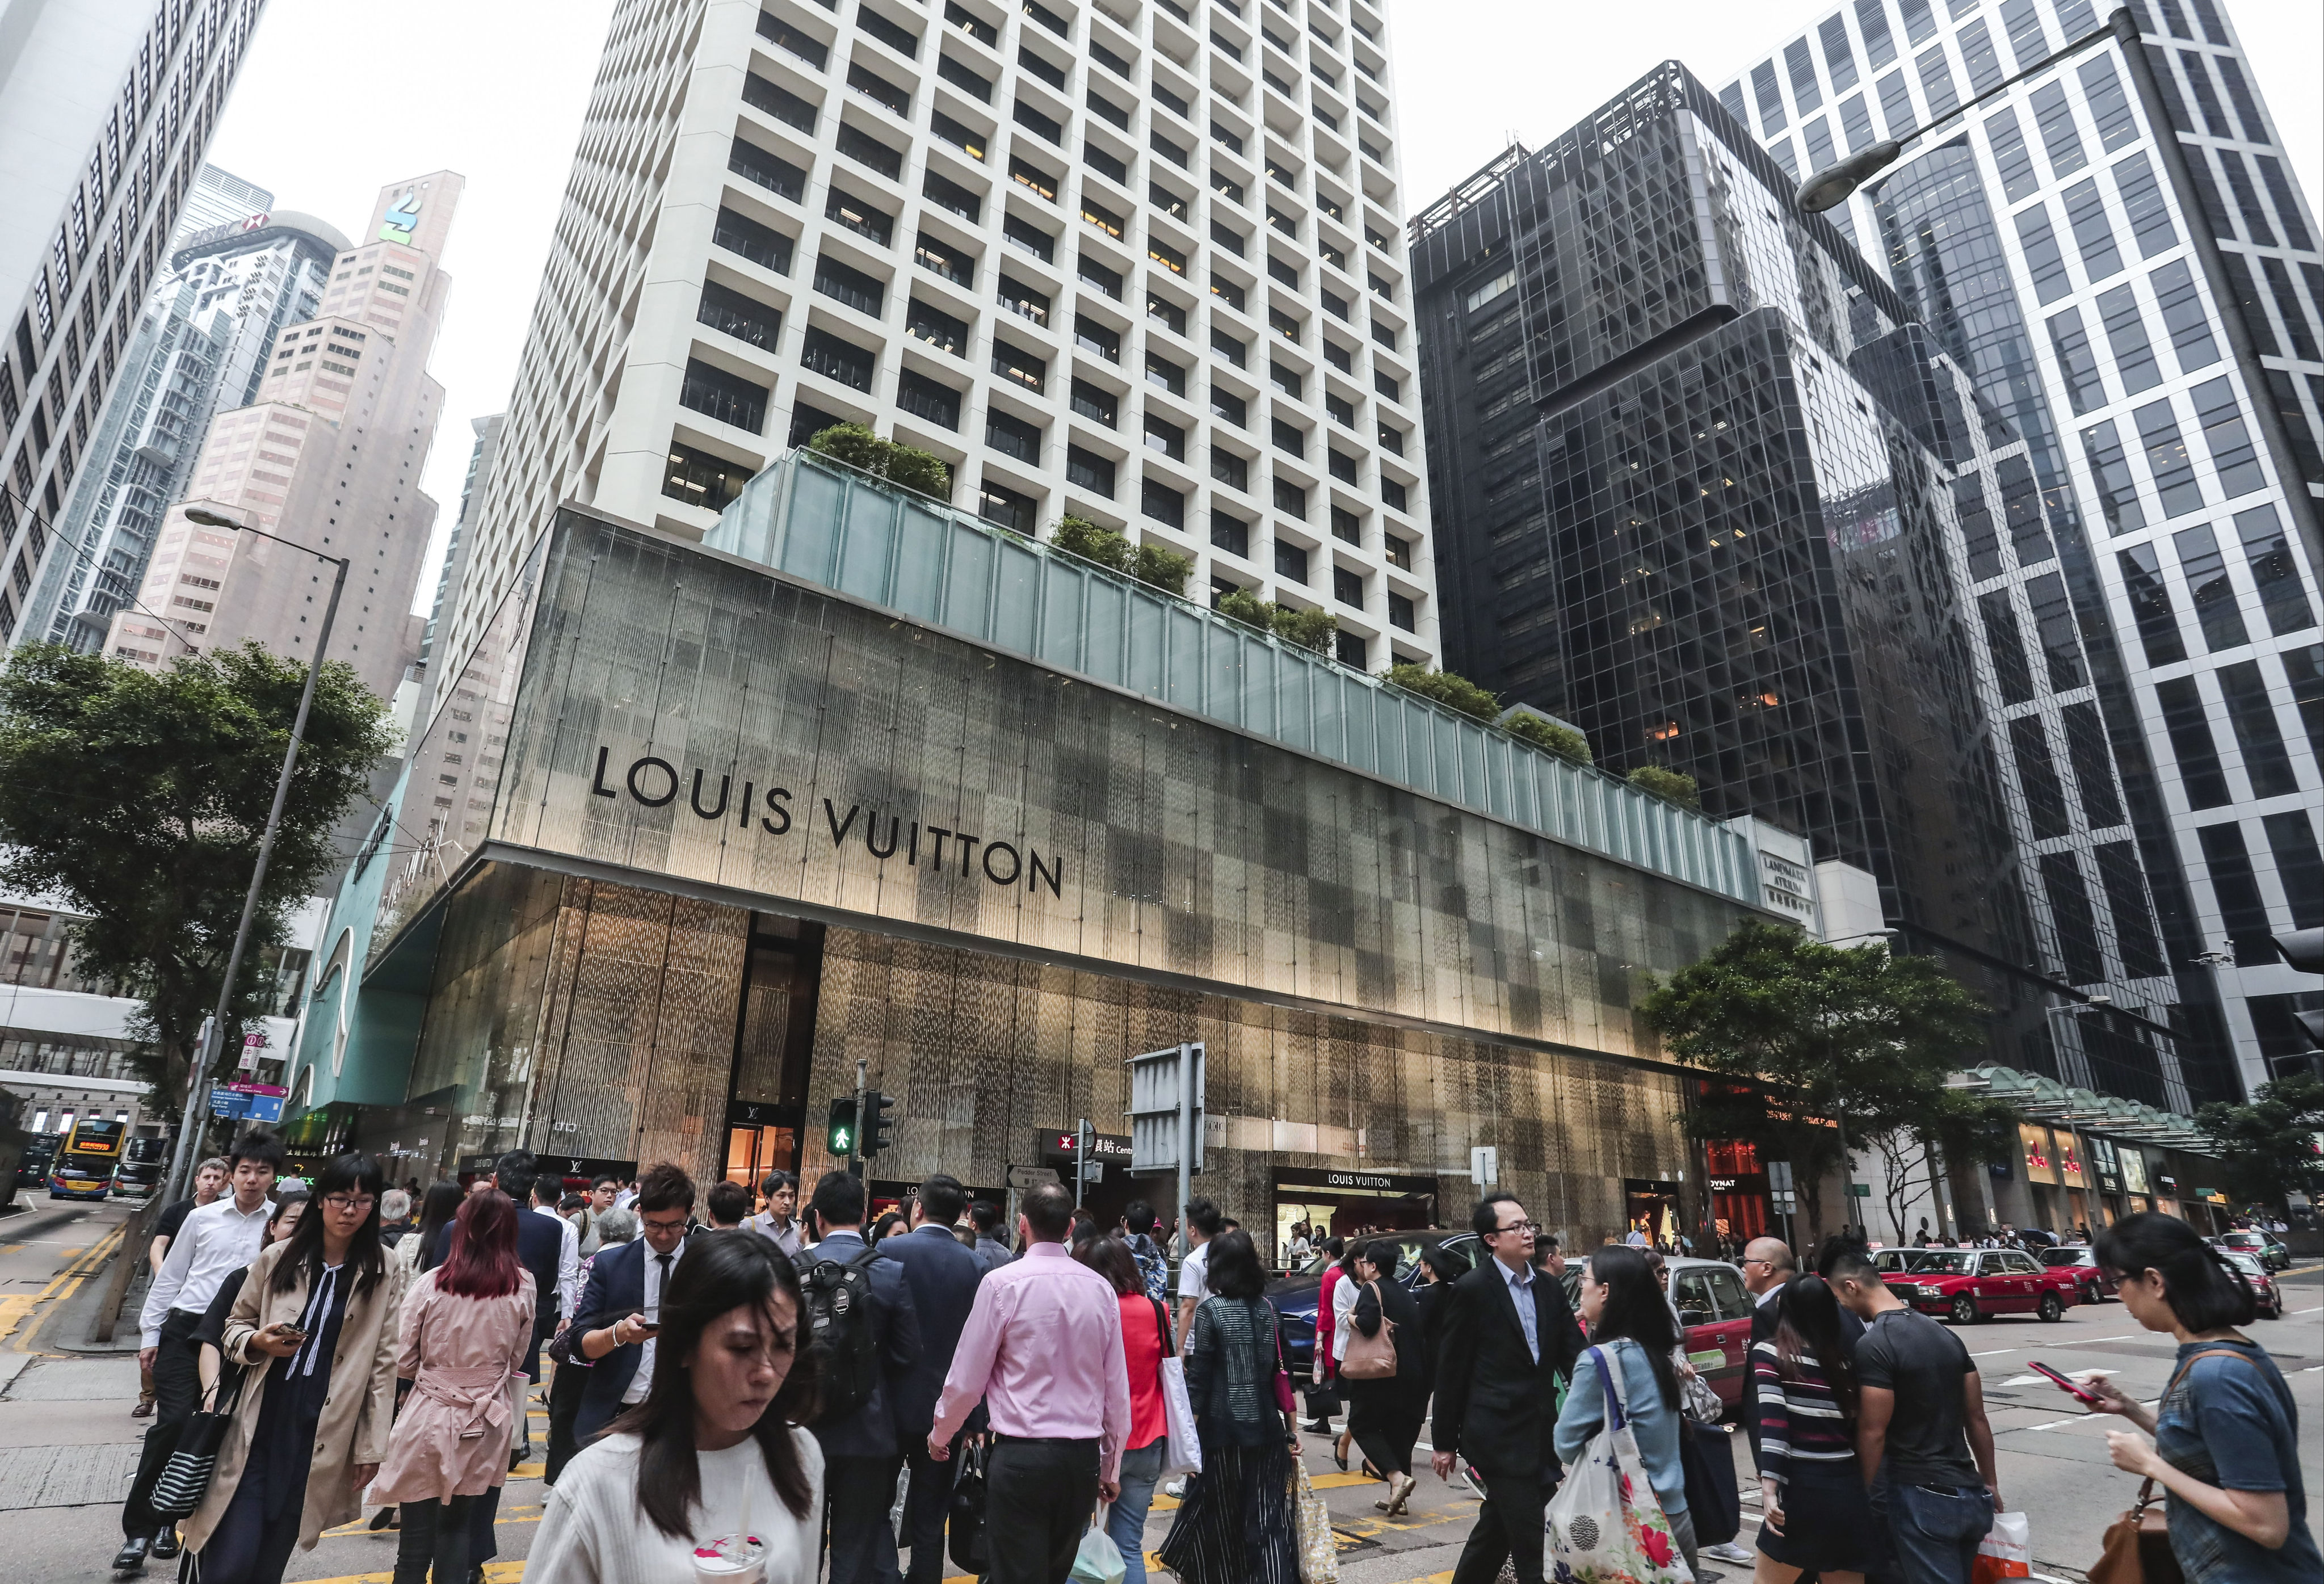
column 216, row 1240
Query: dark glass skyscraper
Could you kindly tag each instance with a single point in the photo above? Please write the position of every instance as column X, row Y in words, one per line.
column 1704, row 488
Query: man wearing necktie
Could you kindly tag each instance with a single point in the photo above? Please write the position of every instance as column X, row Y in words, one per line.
column 1507, row 1338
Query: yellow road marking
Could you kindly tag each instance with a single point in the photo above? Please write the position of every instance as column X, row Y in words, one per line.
column 14, row 1309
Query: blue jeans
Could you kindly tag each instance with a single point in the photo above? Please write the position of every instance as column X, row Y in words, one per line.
column 1125, row 1521
column 1936, row 1531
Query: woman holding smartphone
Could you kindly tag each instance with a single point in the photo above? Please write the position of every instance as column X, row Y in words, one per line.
column 2226, row 1432
column 467, row 1328
column 316, row 1326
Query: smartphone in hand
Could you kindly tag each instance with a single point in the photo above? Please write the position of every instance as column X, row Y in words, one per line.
column 2065, row 1384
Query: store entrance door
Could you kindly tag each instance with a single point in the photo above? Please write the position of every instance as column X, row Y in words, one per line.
column 1347, row 1204
column 1651, row 1206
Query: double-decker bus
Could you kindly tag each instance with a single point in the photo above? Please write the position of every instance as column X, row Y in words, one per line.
column 86, row 1155
column 143, row 1162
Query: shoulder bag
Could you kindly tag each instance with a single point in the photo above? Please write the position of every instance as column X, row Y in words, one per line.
column 2137, row 1546
column 1284, row 1398
column 1605, row 1525
column 186, row 1476
column 1371, row 1358
column 1182, row 1451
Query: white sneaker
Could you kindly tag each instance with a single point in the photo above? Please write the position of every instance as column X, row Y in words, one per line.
column 1727, row 1552
column 1175, row 1490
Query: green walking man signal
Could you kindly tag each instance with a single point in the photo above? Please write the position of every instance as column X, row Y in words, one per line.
column 839, row 1132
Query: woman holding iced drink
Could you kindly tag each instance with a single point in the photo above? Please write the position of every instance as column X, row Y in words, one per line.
column 709, row 1480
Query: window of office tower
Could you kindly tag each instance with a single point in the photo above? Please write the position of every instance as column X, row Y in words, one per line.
column 1946, row 257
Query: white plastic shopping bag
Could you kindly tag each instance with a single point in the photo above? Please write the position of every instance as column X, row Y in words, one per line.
column 2006, row 1551
column 1605, row 1526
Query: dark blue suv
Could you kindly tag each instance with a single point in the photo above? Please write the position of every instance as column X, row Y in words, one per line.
column 1293, row 1295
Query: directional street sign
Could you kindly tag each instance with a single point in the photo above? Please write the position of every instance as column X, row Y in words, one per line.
column 1022, row 1177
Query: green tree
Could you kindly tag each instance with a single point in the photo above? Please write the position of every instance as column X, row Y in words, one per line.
column 1245, row 607
column 914, row 469
column 2268, row 1148
column 1307, row 629
column 138, row 798
column 1813, row 1039
column 1449, row 688
column 1080, row 537
column 1670, row 786
column 1167, row 570
column 1563, row 741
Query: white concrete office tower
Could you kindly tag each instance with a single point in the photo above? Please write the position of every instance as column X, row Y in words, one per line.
column 201, row 347
column 2130, row 275
column 105, row 111
column 328, row 455
column 1140, row 263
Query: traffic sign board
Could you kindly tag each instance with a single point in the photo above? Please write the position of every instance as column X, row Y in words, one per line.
column 1031, row 1176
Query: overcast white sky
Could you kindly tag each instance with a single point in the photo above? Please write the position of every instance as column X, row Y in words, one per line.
column 495, row 91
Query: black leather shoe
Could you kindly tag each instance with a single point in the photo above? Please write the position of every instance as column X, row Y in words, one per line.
column 129, row 1561
column 165, row 1544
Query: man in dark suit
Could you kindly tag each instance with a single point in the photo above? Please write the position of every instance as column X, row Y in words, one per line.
column 942, row 1276
column 540, row 1249
column 623, row 1293
column 864, row 1452
column 1508, row 1337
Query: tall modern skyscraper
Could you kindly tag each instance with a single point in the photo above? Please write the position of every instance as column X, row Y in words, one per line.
column 1114, row 260
column 200, row 349
column 2130, row 275
column 105, row 111
column 218, row 197
column 329, row 455
column 1704, row 490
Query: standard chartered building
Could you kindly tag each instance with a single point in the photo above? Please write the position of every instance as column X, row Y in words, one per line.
column 697, row 829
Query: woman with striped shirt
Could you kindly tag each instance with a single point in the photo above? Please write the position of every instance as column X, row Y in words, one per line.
column 1816, row 1515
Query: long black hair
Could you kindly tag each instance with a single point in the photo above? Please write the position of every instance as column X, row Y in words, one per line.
column 1807, row 1325
column 438, row 1208
column 2206, row 1293
column 722, row 1271
column 1636, row 1308
column 353, row 1172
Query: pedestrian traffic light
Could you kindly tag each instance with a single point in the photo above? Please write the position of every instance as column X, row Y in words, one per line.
column 839, row 1133
column 879, row 1127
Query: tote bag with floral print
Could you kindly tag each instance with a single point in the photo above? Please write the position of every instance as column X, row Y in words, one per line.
column 1605, row 1526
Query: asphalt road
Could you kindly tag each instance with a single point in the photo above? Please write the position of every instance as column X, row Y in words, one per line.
column 67, row 1444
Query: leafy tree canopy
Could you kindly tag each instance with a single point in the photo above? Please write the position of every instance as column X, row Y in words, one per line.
column 2268, row 1148
column 1312, row 630
column 1669, row 785
column 1808, row 1033
column 1560, row 740
column 1449, row 688
column 892, row 460
column 138, row 799
column 1152, row 565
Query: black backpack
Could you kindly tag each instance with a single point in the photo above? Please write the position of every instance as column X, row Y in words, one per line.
column 838, row 1298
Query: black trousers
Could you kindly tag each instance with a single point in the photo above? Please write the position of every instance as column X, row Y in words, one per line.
column 1509, row 1528
column 176, row 1394
column 1385, row 1425
column 1039, row 1495
column 565, row 1388
column 857, row 1495
column 925, row 1511
column 434, row 1534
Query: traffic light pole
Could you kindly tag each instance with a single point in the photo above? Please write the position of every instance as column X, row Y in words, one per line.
column 856, row 1144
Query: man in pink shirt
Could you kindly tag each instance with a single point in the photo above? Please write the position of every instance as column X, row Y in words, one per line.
column 1042, row 1349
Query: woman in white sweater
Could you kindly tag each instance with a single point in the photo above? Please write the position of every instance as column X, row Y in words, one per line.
column 713, row 1451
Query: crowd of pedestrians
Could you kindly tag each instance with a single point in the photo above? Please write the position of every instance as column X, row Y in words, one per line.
column 741, row 1381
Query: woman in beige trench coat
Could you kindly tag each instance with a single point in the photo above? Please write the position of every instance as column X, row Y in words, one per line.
column 316, row 1329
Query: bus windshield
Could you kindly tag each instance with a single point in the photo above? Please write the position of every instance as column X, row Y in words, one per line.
column 94, row 1137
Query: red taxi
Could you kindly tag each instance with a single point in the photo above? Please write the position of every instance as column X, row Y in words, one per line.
column 1964, row 1284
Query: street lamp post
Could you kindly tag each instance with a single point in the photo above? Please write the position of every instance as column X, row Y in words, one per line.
column 198, row 1079
column 1830, row 186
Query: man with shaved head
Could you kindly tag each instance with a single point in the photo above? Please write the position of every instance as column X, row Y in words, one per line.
column 1768, row 1265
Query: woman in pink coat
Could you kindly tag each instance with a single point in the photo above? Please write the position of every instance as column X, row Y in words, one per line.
column 468, row 1329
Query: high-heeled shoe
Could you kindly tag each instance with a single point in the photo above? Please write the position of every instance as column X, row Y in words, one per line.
column 1400, row 1489
column 1339, row 1451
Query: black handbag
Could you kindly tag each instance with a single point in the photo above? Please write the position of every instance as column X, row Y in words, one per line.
column 969, row 1551
column 186, row 1476
column 1706, row 1452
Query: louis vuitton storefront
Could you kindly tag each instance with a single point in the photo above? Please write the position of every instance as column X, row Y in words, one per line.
column 867, row 781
